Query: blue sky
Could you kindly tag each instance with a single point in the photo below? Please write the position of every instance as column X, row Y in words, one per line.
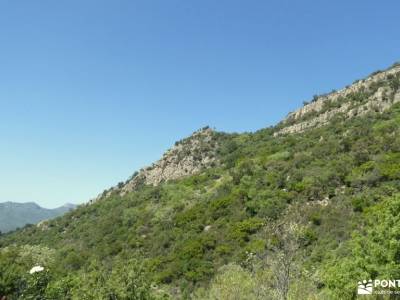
column 91, row 91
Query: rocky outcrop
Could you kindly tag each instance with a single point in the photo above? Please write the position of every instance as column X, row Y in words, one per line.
column 378, row 95
column 396, row 98
column 187, row 157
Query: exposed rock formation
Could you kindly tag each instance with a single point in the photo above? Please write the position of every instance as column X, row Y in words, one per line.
column 378, row 95
column 186, row 157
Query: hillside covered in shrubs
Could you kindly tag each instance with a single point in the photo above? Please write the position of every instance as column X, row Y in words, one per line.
column 274, row 216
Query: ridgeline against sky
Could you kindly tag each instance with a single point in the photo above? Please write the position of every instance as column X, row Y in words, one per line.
column 92, row 90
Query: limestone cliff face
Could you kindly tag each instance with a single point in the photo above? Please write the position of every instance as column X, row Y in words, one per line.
column 375, row 93
column 186, row 157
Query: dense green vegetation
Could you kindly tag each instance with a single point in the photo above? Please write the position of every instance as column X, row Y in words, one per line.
column 301, row 216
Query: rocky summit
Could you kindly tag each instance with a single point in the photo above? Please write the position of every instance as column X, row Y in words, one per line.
column 187, row 157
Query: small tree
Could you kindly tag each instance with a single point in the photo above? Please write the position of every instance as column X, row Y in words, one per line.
column 282, row 254
column 285, row 252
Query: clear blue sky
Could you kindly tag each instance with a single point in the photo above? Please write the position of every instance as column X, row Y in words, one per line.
column 91, row 91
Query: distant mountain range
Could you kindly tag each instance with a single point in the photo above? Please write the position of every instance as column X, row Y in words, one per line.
column 14, row 215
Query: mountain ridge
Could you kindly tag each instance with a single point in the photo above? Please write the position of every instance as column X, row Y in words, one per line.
column 384, row 91
column 273, row 216
column 187, row 157
column 15, row 215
